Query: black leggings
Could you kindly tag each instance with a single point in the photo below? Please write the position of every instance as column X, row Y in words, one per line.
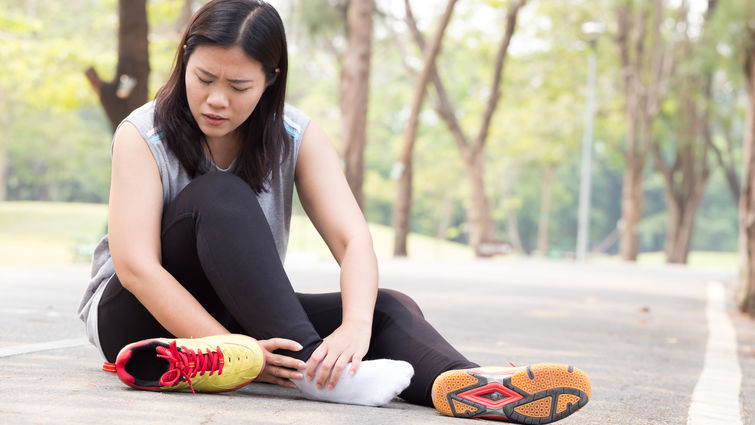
column 217, row 243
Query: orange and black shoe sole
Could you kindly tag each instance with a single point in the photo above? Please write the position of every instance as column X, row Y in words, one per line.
column 537, row 394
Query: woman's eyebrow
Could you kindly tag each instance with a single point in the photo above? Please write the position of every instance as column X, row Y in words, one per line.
column 211, row 75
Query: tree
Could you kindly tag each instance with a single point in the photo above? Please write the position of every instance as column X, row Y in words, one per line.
column 344, row 28
column 746, row 293
column 355, row 86
column 471, row 151
column 647, row 63
column 44, row 48
column 402, row 207
column 685, row 177
column 129, row 89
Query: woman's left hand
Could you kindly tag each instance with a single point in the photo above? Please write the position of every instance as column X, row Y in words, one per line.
column 348, row 343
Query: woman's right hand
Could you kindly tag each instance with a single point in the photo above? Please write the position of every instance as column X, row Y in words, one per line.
column 280, row 369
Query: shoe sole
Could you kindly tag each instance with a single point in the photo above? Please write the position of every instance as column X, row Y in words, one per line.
column 538, row 394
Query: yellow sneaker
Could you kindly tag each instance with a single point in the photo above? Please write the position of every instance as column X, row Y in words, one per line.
column 209, row 365
column 537, row 394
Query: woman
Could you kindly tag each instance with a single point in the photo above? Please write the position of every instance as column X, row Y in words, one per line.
column 200, row 204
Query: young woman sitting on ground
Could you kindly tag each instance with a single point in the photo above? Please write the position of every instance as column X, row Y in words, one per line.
column 189, row 290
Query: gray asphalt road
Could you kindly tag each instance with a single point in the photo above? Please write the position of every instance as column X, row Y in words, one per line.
column 638, row 332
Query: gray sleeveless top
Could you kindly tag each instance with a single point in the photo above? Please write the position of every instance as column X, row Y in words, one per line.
column 275, row 203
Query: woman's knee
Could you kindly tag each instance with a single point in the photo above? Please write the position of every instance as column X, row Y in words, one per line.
column 217, row 192
column 392, row 302
column 215, row 187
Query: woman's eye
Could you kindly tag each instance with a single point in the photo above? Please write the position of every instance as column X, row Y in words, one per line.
column 205, row 82
column 239, row 90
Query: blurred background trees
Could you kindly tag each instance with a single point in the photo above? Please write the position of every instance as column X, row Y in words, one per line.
column 672, row 155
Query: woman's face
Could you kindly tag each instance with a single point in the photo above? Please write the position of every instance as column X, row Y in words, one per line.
column 223, row 86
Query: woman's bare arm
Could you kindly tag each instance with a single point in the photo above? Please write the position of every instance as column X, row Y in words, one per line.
column 331, row 206
column 136, row 201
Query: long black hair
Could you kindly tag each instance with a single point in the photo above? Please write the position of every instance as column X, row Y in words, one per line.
column 257, row 28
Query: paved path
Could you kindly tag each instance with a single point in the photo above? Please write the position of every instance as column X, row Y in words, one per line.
column 641, row 334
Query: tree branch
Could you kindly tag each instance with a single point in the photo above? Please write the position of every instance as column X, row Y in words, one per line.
column 444, row 107
column 511, row 16
column 420, row 89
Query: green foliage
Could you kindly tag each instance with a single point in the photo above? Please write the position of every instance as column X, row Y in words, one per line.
column 53, row 130
column 57, row 138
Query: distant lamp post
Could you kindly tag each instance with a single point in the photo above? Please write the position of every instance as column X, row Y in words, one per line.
column 591, row 30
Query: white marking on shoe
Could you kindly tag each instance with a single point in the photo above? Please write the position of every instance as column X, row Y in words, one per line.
column 15, row 350
column 715, row 399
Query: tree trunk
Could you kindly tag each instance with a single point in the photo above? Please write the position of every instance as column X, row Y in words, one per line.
column 681, row 224
column 632, row 199
column 512, row 228
column 685, row 180
column 355, row 86
column 480, row 224
column 401, row 211
column 746, row 290
column 128, row 90
column 545, row 211
column 632, row 190
column 402, row 208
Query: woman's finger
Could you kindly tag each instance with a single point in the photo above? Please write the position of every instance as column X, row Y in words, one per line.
column 314, row 361
column 326, row 366
column 285, row 361
column 355, row 362
column 279, row 381
column 338, row 368
column 282, row 372
column 273, row 344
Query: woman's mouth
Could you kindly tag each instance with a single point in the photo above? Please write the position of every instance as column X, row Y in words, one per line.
column 213, row 119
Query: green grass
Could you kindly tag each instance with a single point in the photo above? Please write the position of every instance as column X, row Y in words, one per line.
column 696, row 259
column 49, row 233
column 704, row 259
column 304, row 238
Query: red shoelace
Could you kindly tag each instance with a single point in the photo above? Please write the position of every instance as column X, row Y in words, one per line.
column 187, row 364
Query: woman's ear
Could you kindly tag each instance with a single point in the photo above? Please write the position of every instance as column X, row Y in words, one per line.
column 185, row 54
column 272, row 77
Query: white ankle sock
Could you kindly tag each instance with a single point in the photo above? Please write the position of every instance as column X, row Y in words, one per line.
column 376, row 383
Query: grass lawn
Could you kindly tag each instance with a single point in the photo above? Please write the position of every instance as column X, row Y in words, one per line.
column 48, row 232
column 51, row 233
column 55, row 233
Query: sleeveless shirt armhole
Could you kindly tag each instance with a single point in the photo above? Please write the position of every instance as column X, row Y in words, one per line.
column 296, row 122
column 151, row 139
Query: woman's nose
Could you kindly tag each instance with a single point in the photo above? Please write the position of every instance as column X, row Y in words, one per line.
column 217, row 99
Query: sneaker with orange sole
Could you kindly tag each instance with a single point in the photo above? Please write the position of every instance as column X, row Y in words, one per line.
column 536, row 394
column 209, row 365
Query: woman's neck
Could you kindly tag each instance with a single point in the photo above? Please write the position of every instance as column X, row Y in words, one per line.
column 221, row 151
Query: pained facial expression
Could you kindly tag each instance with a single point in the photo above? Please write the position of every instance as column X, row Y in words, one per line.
column 223, row 86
